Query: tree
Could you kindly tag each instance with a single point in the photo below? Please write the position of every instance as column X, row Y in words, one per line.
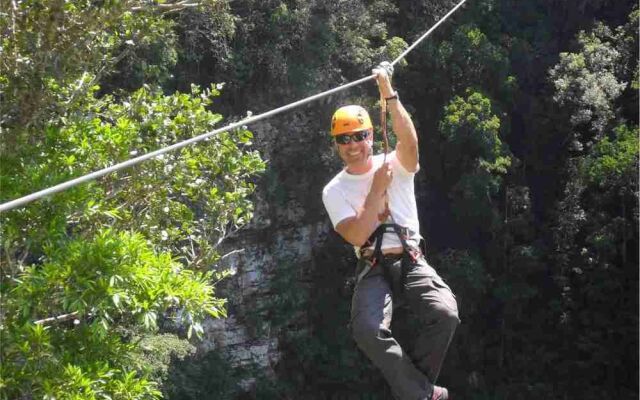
column 595, row 229
column 475, row 160
column 89, row 272
column 470, row 59
column 586, row 82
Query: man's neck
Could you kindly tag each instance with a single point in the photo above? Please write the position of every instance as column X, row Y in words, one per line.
column 361, row 168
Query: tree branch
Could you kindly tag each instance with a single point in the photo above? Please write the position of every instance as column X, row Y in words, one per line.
column 231, row 253
column 167, row 7
column 59, row 318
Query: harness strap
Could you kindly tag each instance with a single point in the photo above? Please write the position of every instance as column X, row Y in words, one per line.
column 377, row 255
column 377, row 235
column 377, row 252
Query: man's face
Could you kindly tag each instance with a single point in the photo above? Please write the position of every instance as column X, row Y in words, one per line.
column 354, row 149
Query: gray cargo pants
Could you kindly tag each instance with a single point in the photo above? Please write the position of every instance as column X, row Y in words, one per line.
column 371, row 311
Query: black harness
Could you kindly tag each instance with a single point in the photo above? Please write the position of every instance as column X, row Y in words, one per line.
column 409, row 256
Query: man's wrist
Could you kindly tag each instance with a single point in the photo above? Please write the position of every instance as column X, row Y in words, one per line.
column 394, row 96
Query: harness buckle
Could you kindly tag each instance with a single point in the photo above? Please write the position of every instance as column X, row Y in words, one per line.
column 414, row 254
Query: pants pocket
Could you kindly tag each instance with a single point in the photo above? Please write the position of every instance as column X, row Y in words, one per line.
column 445, row 293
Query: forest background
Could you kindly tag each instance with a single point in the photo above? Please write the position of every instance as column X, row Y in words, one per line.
column 527, row 113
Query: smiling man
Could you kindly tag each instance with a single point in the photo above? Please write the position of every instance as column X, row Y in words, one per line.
column 372, row 205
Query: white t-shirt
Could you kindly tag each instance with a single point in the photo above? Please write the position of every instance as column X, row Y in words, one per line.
column 346, row 193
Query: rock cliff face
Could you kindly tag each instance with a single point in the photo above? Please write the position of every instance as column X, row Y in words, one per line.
column 290, row 227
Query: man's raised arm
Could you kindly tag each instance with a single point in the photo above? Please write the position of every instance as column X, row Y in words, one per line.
column 407, row 144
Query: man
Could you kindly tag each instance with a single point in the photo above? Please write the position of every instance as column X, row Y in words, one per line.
column 391, row 268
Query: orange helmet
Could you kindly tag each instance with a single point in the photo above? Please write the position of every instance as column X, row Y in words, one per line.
column 350, row 119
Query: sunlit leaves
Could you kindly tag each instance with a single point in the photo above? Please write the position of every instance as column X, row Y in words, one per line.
column 614, row 161
column 475, row 158
column 160, row 195
column 56, row 44
column 586, row 81
column 469, row 124
column 115, row 279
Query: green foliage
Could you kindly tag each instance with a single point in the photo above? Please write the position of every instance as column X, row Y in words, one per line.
column 596, row 246
column 469, row 58
column 610, row 176
column 112, row 277
column 206, row 34
column 113, row 286
column 144, row 60
column 107, row 284
column 393, row 48
column 157, row 352
column 205, row 199
column 614, row 161
column 470, row 124
column 87, row 271
column 181, row 201
column 586, row 82
column 275, row 48
column 51, row 45
column 475, row 158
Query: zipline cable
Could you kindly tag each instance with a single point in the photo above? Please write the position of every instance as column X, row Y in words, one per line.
column 116, row 167
column 427, row 33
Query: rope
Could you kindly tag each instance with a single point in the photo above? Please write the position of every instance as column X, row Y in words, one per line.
column 383, row 125
column 97, row 174
column 382, row 217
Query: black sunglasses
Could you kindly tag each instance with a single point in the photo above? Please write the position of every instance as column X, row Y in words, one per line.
column 356, row 137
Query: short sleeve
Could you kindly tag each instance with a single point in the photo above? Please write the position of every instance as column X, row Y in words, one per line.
column 336, row 205
column 397, row 165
